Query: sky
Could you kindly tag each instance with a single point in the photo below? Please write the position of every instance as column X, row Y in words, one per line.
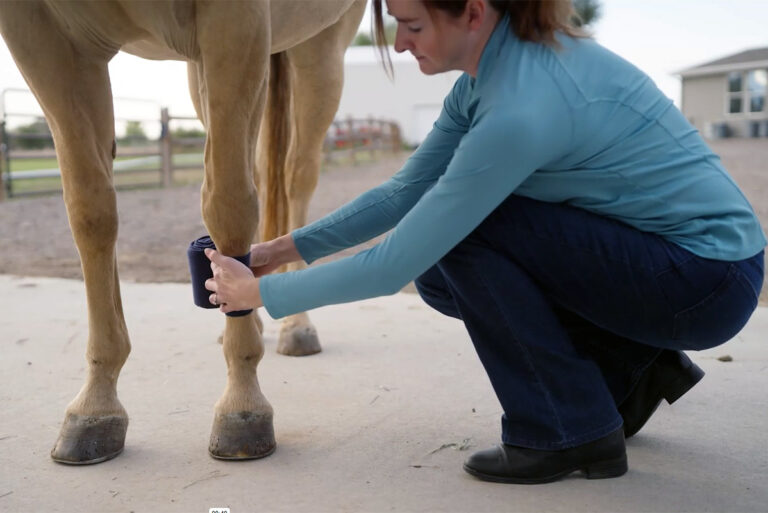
column 661, row 37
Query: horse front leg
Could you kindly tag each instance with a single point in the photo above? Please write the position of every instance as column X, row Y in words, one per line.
column 196, row 95
column 71, row 82
column 234, row 44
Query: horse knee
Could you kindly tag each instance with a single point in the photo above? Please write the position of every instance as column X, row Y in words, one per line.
column 93, row 222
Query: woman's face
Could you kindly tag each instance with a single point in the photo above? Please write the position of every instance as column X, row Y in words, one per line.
column 437, row 41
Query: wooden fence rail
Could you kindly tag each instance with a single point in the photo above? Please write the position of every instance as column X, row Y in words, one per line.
column 355, row 136
column 345, row 138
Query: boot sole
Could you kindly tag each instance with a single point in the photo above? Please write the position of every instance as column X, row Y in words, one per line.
column 598, row 470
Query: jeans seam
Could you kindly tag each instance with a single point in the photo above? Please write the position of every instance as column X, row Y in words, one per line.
column 726, row 282
column 741, row 276
column 526, row 356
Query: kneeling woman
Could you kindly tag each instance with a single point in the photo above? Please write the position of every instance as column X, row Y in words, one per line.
column 564, row 210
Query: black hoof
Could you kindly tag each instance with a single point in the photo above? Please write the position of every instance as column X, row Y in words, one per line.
column 87, row 440
column 242, row 436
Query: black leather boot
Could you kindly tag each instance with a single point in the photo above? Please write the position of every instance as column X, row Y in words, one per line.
column 670, row 376
column 599, row 459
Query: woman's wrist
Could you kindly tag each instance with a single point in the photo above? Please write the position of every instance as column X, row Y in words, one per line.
column 285, row 249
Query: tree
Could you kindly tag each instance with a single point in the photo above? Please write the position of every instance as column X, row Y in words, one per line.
column 587, row 12
column 34, row 136
column 134, row 133
column 364, row 39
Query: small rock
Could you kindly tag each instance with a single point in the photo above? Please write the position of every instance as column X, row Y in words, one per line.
column 725, row 358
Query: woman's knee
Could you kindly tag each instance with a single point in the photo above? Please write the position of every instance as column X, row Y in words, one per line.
column 433, row 289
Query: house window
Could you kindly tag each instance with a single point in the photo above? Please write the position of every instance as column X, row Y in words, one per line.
column 757, row 84
column 735, row 92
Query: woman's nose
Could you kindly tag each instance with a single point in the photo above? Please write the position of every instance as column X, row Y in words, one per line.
column 401, row 43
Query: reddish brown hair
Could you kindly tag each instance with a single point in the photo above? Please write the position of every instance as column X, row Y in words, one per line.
column 530, row 20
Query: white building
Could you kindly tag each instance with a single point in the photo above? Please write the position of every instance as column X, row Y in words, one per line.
column 413, row 100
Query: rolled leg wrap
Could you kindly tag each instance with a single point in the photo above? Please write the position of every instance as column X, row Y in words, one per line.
column 200, row 269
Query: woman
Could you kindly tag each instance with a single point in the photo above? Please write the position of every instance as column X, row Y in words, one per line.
column 564, row 210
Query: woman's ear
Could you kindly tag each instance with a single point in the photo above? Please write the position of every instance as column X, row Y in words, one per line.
column 476, row 11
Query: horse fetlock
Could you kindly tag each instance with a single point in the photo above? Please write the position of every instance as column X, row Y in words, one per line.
column 85, row 440
column 97, row 398
column 259, row 322
column 105, row 363
column 242, row 435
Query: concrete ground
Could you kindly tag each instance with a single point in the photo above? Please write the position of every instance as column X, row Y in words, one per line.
column 380, row 421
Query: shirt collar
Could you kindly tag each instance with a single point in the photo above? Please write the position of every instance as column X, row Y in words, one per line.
column 492, row 49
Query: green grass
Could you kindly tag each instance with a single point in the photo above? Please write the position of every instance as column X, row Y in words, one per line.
column 35, row 164
column 141, row 175
column 179, row 159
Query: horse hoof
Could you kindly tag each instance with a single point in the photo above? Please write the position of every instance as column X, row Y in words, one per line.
column 242, row 436
column 85, row 440
column 299, row 341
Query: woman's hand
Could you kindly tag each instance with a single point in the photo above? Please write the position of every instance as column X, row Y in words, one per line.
column 268, row 256
column 233, row 284
column 264, row 258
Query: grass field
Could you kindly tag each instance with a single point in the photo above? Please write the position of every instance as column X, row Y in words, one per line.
column 132, row 172
column 37, row 164
column 129, row 172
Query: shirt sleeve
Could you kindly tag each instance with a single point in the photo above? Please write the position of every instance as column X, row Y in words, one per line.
column 500, row 150
column 381, row 208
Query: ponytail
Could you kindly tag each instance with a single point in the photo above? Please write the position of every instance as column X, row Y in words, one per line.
column 537, row 20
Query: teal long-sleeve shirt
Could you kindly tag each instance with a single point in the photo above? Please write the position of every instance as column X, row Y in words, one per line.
column 575, row 124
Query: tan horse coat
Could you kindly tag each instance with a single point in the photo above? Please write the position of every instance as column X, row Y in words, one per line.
column 63, row 47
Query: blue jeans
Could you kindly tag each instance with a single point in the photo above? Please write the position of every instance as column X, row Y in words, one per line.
column 567, row 308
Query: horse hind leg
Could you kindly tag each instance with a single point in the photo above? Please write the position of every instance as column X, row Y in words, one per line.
column 318, row 65
column 232, row 100
column 73, row 89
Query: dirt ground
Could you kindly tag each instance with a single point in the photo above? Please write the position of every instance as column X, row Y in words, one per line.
column 156, row 225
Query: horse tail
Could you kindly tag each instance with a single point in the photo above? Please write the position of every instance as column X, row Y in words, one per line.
column 275, row 139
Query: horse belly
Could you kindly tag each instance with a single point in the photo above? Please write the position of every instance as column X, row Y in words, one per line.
column 166, row 34
column 150, row 48
column 295, row 21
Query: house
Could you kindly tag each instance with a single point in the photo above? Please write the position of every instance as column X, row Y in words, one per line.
column 413, row 100
column 727, row 97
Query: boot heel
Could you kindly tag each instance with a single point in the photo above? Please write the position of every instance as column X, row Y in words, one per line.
column 684, row 383
column 606, row 469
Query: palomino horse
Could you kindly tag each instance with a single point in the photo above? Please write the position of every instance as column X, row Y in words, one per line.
column 62, row 48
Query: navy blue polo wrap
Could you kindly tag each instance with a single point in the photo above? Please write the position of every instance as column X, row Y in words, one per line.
column 200, row 270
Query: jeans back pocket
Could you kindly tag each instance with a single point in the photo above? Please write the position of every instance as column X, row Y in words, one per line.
column 719, row 316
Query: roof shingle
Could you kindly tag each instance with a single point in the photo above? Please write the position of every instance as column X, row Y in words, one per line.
column 752, row 55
